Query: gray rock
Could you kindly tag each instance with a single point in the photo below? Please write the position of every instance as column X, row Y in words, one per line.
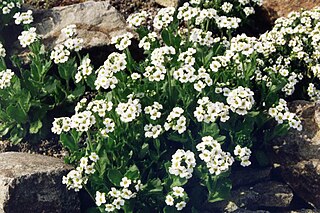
column 305, row 211
column 250, row 176
column 32, row 183
column 269, row 194
column 168, row 3
column 97, row 23
column 298, row 153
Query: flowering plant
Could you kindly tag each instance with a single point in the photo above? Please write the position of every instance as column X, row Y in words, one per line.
column 163, row 132
column 291, row 52
column 29, row 94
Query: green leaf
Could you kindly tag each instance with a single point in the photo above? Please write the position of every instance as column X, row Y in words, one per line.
column 68, row 141
column 17, row 134
column 177, row 137
column 115, row 176
column 166, row 37
column 133, row 173
column 17, row 113
column 220, row 190
column 35, row 127
column 170, row 209
column 79, row 91
column 177, row 181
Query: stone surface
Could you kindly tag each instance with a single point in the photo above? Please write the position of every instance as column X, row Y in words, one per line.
column 249, row 176
column 97, row 23
column 32, row 183
column 279, row 8
column 298, row 153
column 168, row 3
column 268, row 194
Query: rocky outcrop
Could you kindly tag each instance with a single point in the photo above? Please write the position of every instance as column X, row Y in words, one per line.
column 32, row 183
column 279, row 8
column 97, row 23
column 298, row 153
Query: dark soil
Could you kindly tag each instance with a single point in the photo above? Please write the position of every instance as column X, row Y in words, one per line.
column 46, row 147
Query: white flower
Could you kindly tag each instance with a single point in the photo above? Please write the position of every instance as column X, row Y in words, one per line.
column 123, row 41
column 163, row 18
column 169, row 200
column 109, row 208
column 216, row 159
column 24, row 18
column 118, row 202
column 94, row 157
column 100, row 198
column 5, row 78
column 182, row 164
column 2, row 51
column 137, row 19
column 178, row 191
column 240, row 100
column 129, row 111
column 59, row 54
column 28, row 37
column 180, row 205
column 69, row 31
column 152, row 131
column 125, row 182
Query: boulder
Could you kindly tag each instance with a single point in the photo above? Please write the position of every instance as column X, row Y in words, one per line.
column 279, row 8
column 268, row 194
column 168, row 3
column 298, row 153
column 32, row 183
column 97, row 23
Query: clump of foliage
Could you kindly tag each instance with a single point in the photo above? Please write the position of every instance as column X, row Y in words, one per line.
column 31, row 93
column 163, row 133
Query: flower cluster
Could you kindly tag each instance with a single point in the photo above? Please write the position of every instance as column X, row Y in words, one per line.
column 292, row 47
column 177, row 197
column 240, row 100
column 163, row 18
column 154, row 110
column 123, row 41
column 147, row 40
column 209, row 112
column 152, row 131
column 24, row 18
column 176, row 121
column 182, row 164
column 100, row 107
column 129, row 111
column 243, row 154
column 7, row 6
column 2, row 51
column 76, row 178
column 82, row 121
column 137, row 19
column 313, row 93
column 5, row 78
column 84, row 70
column 187, row 13
column 216, row 159
column 62, row 124
column 61, row 52
column 281, row 114
column 117, row 197
column 28, row 37
column 116, row 62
